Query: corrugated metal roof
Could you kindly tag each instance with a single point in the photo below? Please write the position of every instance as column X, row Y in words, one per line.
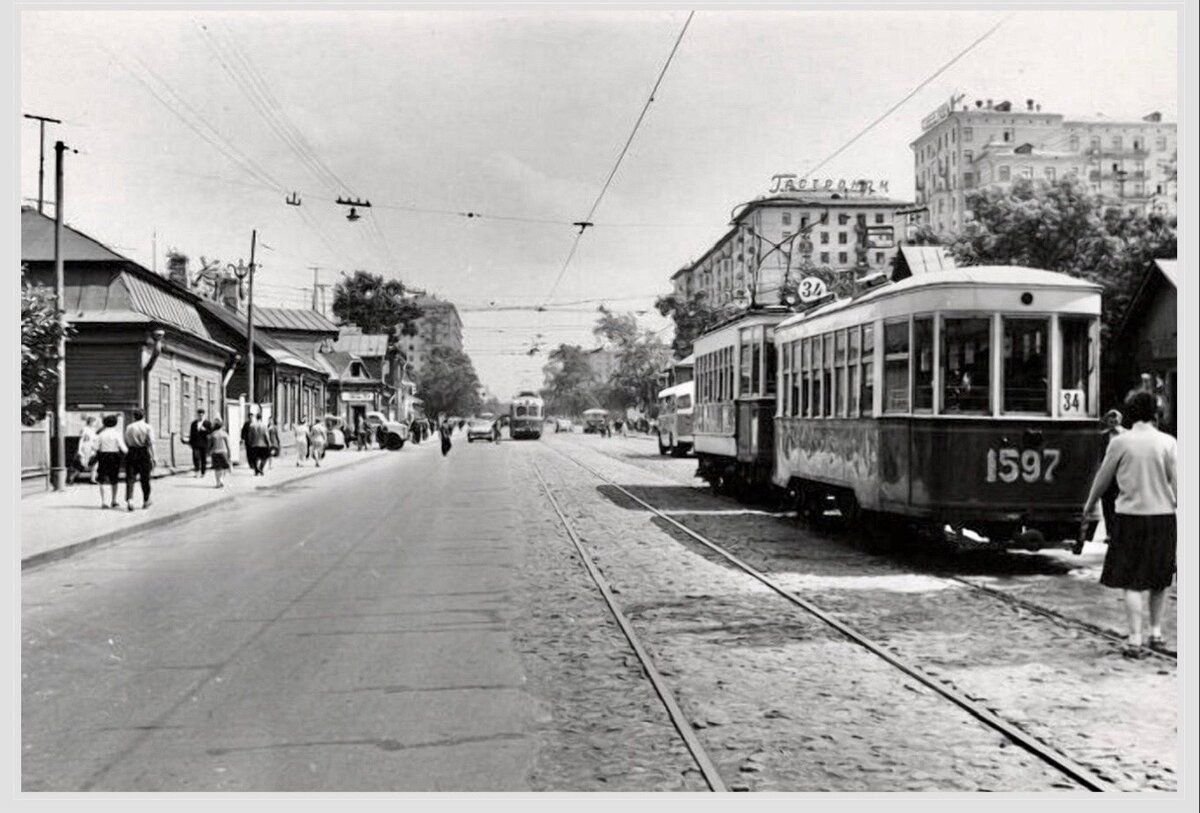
column 155, row 302
column 926, row 259
column 37, row 242
column 293, row 319
column 1168, row 268
column 265, row 343
column 364, row 345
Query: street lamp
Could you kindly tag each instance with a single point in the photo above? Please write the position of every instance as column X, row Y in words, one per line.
column 242, row 271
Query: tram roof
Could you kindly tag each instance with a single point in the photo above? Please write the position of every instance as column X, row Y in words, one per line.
column 991, row 275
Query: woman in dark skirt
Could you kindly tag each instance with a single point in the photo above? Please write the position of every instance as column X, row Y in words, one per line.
column 1141, row 549
column 110, row 448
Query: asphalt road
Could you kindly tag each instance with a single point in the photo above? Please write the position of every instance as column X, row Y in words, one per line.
column 349, row 633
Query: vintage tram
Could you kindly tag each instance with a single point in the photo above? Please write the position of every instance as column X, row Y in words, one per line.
column 962, row 401
column 675, row 419
column 526, row 416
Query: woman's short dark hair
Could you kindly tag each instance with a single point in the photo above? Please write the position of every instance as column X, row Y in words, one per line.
column 110, row 420
column 138, row 414
column 1141, row 406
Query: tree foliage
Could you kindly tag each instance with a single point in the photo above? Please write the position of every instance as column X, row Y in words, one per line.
column 691, row 316
column 447, row 383
column 1062, row 226
column 375, row 304
column 640, row 357
column 41, row 328
column 570, row 383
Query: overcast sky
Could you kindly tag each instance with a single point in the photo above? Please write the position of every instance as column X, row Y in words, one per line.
column 521, row 115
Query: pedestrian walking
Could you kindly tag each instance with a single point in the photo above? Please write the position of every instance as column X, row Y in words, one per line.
column 317, row 438
column 414, row 431
column 445, row 429
column 218, row 448
column 110, row 448
column 258, row 445
column 198, row 439
column 360, row 433
column 1141, row 554
column 302, row 450
column 84, row 461
column 1108, row 502
column 139, row 460
column 274, row 444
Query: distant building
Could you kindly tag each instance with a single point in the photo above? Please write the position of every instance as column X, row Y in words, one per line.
column 847, row 232
column 604, row 362
column 965, row 147
column 139, row 339
column 439, row 326
column 370, row 350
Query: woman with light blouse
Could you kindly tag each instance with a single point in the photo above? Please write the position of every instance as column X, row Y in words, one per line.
column 1141, row 550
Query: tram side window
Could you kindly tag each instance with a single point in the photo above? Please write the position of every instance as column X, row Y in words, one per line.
column 895, row 367
column 923, row 374
column 853, row 372
column 786, row 391
column 827, row 378
column 867, row 402
column 771, row 364
column 1076, row 366
column 839, row 373
column 805, row 378
column 1026, row 366
column 796, row 387
column 966, row 373
column 816, row 377
column 744, row 366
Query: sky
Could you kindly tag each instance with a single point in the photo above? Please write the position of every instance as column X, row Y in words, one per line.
column 192, row 126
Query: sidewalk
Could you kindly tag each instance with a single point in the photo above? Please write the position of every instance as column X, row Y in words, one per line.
column 57, row 525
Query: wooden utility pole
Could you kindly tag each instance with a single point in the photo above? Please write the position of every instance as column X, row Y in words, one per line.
column 41, row 120
column 58, row 472
column 250, row 319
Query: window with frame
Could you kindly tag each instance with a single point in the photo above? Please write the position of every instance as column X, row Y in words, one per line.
column 878, row 218
column 854, row 337
column 1077, row 366
column 968, row 134
column 785, row 393
column 805, row 379
column 843, row 238
column 827, row 376
column 786, row 218
column 843, row 220
column 1005, row 173
column 879, row 258
column 163, row 430
column 1094, row 143
column 966, row 365
column 839, row 374
column 1160, row 144
column 1117, row 142
column 744, row 365
column 867, row 401
column 1026, row 365
column 923, row 369
column 895, row 367
column 795, row 391
column 817, row 388
column 185, row 402
column 756, row 363
column 843, row 257
column 824, row 258
column 824, row 238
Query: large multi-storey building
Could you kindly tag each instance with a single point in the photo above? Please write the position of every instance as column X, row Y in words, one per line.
column 439, row 326
column 964, row 147
column 773, row 239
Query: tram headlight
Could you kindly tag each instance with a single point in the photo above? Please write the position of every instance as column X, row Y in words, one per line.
column 1027, row 298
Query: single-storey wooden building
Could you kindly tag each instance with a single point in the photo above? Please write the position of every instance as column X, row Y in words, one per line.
column 1148, row 338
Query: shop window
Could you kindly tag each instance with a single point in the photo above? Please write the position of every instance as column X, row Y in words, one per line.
column 1026, row 366
column 1077, row 366
column 895, row 367
column 965, row 365
column 923, row 371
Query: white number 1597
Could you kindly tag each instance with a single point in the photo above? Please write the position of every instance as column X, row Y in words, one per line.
column 1031, row 465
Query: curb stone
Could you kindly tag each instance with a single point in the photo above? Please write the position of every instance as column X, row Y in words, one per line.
column 66, row 551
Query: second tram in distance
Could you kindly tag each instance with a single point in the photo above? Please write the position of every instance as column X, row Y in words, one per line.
column 964, row 400
column 526, row 415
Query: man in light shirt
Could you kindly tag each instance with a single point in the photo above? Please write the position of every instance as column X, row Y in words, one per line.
column 139, row 462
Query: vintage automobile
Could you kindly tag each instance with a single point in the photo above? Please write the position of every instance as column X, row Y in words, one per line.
column 392, row 434
column 563, row 425
column 482, row 429
column 595, row 421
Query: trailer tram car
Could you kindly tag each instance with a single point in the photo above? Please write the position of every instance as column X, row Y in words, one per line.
column 676, row 418
column 964, row 400
column 526, row 415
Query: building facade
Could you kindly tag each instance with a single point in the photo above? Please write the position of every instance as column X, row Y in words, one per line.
column 439, row 326
column 773, row 239
column 964, row 147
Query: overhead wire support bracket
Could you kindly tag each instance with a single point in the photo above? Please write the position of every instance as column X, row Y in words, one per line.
column 583, row 225
column 292, row 199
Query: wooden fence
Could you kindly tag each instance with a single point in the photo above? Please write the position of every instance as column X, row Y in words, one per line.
column 35, row 455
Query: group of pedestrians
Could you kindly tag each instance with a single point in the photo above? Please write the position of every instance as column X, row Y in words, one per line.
column 104, row 452
column 1137, row 490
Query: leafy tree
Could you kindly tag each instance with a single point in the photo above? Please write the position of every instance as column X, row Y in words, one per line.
column 447, row 383
column 570, row 384
column 375, row 304
column 640, row 356
column 41, row 328
column 691, row 316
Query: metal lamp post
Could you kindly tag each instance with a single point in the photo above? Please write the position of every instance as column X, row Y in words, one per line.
column 241, row 272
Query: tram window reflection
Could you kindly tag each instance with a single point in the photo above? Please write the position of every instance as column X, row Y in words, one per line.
column 839, row 374
column 771, row 367
column 923, row 374
column 1076, row 366
column 965, row 365
column 895, row 367
column 867, row 402
column 796, row 386
column 1026, row 365
column 744, row 366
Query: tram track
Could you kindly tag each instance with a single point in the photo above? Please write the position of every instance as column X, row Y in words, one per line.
column 1049, row 613
column 1046, row 753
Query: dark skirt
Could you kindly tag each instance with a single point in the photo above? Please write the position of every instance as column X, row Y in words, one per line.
column 109, row 469
column 1141, row 553
column 220, row 461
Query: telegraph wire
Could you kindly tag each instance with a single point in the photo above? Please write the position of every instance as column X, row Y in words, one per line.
column 587, row 221
column 910, row 94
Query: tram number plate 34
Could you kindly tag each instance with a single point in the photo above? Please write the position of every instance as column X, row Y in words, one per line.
column 1009, row 464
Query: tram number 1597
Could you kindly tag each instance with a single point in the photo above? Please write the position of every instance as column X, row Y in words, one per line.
column 1031, row 465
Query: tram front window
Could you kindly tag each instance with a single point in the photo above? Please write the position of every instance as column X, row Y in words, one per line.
column 965, row 369
column 1026, row 366
column 1076, row 366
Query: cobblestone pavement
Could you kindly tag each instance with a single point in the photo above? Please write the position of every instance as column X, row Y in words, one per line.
column 781, row 701
column 1060, row 683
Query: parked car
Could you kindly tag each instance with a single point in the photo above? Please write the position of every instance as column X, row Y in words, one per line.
column 563, row 425
column 393, row 435
column 595, row 421
column 335, row 432
column 482, row 429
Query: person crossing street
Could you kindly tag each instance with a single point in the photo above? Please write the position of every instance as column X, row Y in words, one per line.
column 139, row 461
